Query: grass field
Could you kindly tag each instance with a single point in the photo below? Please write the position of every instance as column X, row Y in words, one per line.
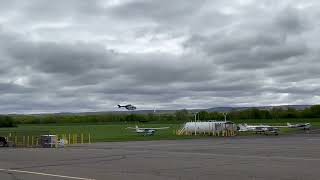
column 99, row 133
column 111, row 132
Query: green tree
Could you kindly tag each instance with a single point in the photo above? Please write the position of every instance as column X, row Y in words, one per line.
column 182, row 115
column 6, row 121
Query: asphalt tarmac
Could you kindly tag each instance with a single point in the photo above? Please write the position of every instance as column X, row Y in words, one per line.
column 233, row 158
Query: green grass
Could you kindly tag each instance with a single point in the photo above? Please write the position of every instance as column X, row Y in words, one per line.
column 99, row 133
column 115, row 132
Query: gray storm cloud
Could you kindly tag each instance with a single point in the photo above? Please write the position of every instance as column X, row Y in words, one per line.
column 78, row 56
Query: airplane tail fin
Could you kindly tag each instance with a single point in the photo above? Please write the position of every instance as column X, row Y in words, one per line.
column 288, row 124
column 137, row 127
column 119, row 106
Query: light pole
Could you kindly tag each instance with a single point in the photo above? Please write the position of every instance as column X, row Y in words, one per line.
column 225, row 116
column 195, row 116
column 195, row 123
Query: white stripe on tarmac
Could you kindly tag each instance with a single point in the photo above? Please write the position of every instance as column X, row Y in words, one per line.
column 44, row 174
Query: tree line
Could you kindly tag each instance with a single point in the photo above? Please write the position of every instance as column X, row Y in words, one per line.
column 274, row 114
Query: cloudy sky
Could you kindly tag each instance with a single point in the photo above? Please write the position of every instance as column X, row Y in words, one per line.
column 74, row 55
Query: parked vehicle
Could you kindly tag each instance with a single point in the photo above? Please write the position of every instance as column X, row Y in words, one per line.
column 3, row 142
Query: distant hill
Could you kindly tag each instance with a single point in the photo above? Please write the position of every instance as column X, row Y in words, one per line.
column 228, row 109
column 215, row 109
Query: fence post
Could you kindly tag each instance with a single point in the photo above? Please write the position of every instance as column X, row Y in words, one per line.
column 56, row 144
column 37, row 142
column 15, row 140
column 89, row 138
column 24, row 140
column 28, row 141
column 81, row 138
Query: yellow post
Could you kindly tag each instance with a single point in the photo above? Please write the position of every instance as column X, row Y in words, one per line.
column 28, row 139
column 32, row 140
column 72, row 138
column 81, row 138
column 69, row 141
column 89, row 138
column 9, row 137
column 23, row 140
column 37, row 142
column 56, row 145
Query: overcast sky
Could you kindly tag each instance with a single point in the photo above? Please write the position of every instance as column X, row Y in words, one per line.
column 74, row 55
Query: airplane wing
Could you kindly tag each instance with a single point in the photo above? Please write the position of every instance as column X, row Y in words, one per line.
column 266, row 126
column 154, row 128
column 279, row 126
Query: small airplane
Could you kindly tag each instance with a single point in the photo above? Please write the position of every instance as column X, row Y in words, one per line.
column 305, row 126
column 128, row 107
column 265, row 129
column 146, row 131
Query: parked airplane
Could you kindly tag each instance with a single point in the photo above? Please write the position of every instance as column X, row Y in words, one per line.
column 305, row 126
column 128, row 107
column 146, row 131
column 265, row 129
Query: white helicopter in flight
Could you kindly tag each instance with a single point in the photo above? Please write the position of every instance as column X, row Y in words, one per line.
column 128, row 107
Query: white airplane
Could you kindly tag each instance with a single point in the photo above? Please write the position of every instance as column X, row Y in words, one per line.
column 146, row 131
column 305, row 126
column 265, row 129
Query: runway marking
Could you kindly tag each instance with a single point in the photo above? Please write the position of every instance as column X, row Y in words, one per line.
column 45, row 174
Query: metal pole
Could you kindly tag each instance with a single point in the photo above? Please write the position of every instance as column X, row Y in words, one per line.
column 225, row 116
column 195, row 123
column 195, row 127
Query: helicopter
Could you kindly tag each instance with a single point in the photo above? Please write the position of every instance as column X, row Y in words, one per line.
column 128, row 107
